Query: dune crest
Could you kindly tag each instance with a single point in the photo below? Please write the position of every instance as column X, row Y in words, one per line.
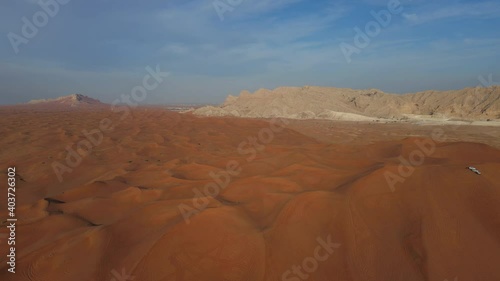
column 118, row 212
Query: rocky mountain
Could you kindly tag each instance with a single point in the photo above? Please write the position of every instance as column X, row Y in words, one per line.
column 361, row 105
column 75, row 100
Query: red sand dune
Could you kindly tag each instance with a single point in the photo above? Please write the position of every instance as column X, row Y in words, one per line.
column 117, row 214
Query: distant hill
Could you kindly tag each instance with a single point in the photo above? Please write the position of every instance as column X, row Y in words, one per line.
column 75, row 100
column 360, row 105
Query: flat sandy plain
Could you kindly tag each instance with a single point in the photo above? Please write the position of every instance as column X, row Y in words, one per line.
column 309, row 200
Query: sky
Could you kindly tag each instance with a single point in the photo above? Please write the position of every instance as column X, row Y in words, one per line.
column 210, row 49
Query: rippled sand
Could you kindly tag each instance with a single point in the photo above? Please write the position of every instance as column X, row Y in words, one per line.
column 137, row 205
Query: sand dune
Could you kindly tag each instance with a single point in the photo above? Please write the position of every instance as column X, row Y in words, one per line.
column 118, row 212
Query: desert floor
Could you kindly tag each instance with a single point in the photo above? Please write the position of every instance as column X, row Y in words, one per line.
column 157, row 195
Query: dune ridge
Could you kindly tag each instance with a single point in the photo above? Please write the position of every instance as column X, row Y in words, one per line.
column 117, row 213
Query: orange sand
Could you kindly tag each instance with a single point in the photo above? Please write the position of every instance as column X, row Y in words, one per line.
column 117, row 212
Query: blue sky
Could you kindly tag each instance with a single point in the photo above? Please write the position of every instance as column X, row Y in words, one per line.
column 101, row 48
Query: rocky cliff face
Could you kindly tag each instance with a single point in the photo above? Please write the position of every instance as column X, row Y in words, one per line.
column 348, row 104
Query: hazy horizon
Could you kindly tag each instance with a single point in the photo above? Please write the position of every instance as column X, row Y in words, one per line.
column 212, row 48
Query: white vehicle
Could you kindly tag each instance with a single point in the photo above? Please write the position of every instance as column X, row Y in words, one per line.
column 474, row 170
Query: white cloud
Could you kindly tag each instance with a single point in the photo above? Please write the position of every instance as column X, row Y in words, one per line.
column 430, row 13
column 411, row 17
column 271, row 42
column 176, row 49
